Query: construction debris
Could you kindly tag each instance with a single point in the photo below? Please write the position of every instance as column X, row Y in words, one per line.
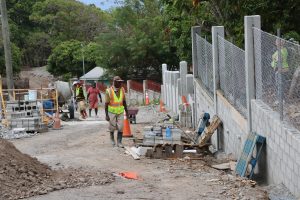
column 22, row 176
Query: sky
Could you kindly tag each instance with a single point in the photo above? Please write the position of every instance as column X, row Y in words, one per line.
column 103, row 4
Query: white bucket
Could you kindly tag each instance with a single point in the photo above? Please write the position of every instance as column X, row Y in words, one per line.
column 26, row 97
column 32, row 95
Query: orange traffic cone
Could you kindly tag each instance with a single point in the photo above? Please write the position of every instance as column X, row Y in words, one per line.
column 147, row 99
column 56, row 124
column 184, row 101
column 162, row 106
column 126, row 127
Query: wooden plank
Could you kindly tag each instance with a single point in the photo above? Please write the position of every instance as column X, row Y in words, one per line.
column 132, row 153
column 178, row 151
column 169, row 151
column 222, row 166
column 209, row 131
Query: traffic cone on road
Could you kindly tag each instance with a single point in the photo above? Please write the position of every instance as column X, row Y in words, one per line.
column 126, row 127
column 56, row 124
column 162, row 106
column 147, row 99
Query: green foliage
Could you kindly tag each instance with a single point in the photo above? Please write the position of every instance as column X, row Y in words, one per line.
column 132, row 40
column 16, row 59
column 68, row 19
column 66, row 59
column 136, row 44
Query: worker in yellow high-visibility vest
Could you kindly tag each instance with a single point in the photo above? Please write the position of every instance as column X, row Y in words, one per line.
column 115, row 105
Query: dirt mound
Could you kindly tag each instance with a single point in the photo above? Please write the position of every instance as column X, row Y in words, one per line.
column 22, row 176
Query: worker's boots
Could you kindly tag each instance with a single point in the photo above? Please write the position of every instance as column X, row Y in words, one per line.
column 112, row 139
column 119, row 139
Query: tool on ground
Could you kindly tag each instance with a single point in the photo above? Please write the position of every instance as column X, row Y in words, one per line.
column 126, row 127
column 246, row 157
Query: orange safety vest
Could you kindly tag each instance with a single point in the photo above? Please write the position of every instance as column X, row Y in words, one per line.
column 115, row 105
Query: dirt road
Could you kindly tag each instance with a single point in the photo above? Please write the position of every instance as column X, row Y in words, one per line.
column 86, row 145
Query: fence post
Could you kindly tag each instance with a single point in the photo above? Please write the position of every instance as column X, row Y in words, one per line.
column 216, row 31
column 249, row 23
column 183, row 73
column 195, row 30
column 163, row 91
column 145, row 88
column 128, row 91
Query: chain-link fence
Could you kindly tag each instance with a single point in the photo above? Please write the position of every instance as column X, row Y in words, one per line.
column 277, row 73
column 232, row 74
column 204, row 63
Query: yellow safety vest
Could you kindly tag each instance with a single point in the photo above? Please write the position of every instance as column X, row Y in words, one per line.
column 115, row 105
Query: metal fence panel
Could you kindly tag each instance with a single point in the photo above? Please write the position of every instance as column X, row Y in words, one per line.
column 204, row 63
column 274, row 86
column 232, row 74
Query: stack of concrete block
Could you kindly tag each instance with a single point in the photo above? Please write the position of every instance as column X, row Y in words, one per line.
column 185, row 115
column 155, row 135
column 24, row 114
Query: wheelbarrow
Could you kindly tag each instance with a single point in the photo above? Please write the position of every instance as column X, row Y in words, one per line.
column 132, row 114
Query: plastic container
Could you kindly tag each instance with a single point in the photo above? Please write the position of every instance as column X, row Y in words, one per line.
column 168, row 133
column 32, row 95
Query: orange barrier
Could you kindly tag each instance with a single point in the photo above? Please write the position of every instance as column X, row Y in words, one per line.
column 126, row 127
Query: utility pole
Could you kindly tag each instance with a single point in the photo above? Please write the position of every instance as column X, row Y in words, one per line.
column 7, row 48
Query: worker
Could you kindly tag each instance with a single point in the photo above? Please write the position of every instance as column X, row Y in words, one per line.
column 80, row 100
column 284, row 71
column 115, row 105
column 92, row 95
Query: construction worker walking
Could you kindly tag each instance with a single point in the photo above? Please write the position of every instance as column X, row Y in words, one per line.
column 80, row 100
column 115, row 105
column 93, row 93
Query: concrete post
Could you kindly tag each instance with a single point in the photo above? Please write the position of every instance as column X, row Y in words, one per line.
column 195, row 30
column 183, row 73
column 145, row 89
column 128, row 91
column 216, row 31
column 174, row 99
column 164, row 69
column 249, row 23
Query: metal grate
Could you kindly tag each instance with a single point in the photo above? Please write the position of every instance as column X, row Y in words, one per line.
column 205, row 64
column 280, row 89
column 232, row 74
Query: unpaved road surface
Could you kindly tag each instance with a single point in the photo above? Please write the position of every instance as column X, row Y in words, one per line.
column 85, row 145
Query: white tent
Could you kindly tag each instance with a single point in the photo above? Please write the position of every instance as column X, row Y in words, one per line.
column 93, row 75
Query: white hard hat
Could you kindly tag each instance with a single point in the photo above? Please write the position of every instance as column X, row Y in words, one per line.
column 75, row 82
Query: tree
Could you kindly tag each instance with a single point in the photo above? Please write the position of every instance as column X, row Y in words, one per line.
column 66, row 58
column 16, row 59
column 65, row 20
column 136, row 44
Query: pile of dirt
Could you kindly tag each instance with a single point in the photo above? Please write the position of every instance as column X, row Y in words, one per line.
column 22, row 176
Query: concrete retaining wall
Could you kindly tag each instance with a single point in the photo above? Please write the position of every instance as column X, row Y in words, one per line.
column 282, row 149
